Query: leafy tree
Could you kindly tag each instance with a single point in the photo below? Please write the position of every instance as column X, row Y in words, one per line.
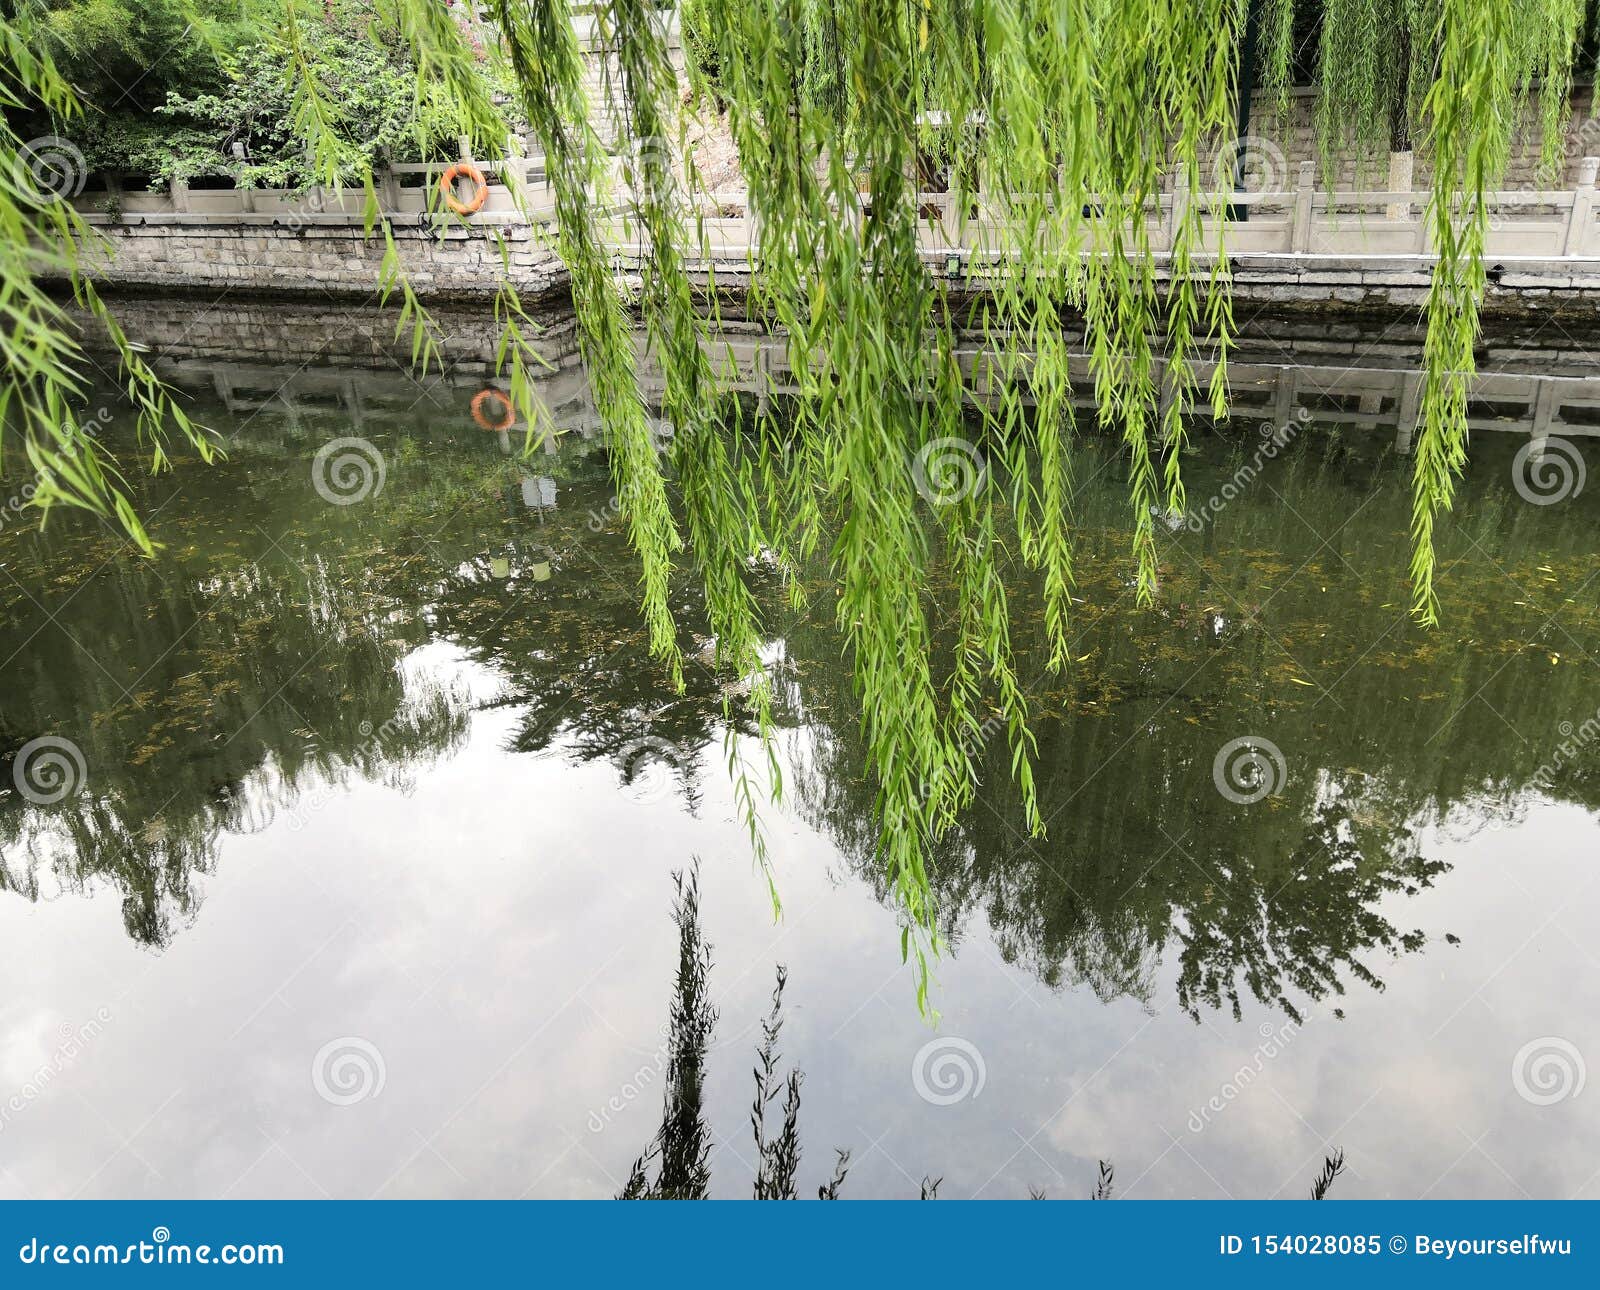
column 126, row 55
column 379, row 108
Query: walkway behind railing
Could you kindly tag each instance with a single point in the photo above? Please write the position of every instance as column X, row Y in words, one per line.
column 1301, row 221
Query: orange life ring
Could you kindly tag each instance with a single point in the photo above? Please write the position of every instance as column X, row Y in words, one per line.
column 484, row 396
column 447, row 182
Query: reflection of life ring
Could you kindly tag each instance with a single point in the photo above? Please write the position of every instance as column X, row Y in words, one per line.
column 483, row 398
column 447, row 187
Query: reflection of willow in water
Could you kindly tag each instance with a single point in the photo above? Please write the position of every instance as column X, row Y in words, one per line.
column 545, row 597
column 1266, row 630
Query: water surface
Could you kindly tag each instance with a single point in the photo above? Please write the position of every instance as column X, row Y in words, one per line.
column 363, row 887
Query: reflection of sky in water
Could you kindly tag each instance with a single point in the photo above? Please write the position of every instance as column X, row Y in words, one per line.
column 496, row 924
column 501, row 936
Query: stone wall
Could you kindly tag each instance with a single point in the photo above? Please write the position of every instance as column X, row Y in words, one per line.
column 332, row 259
column 345, row 333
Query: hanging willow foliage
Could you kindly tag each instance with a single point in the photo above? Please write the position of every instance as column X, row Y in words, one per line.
column 1458, row 72
column 1064, row 120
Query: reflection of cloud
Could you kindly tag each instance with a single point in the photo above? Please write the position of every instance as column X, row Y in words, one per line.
column 29, row 1038
column 1105, row 1080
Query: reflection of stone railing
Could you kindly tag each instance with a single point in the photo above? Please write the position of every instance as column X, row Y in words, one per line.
column 1367, row 397
column 1364, row 391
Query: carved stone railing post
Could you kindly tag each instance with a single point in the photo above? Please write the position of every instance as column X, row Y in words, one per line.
column 389, row 185
column 1178, row 211
column 1300, row 235
column 1580, row 219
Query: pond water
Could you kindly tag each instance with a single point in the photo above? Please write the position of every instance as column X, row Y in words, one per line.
column 359, row 878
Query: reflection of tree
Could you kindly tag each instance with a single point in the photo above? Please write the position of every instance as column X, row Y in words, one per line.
column 205, row 692
column 557, row 619
column 1303, row 935
column 676, row 1165
column 259, row 662
column 680, row 1153
column 288, row 621
column 1262, row 629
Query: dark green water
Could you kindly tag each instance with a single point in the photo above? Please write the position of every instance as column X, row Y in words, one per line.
column 376, row 803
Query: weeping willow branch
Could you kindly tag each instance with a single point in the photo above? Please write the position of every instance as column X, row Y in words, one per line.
column 1469, row 116
column 43, row 393
column 542, row 50
column 724, row 536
